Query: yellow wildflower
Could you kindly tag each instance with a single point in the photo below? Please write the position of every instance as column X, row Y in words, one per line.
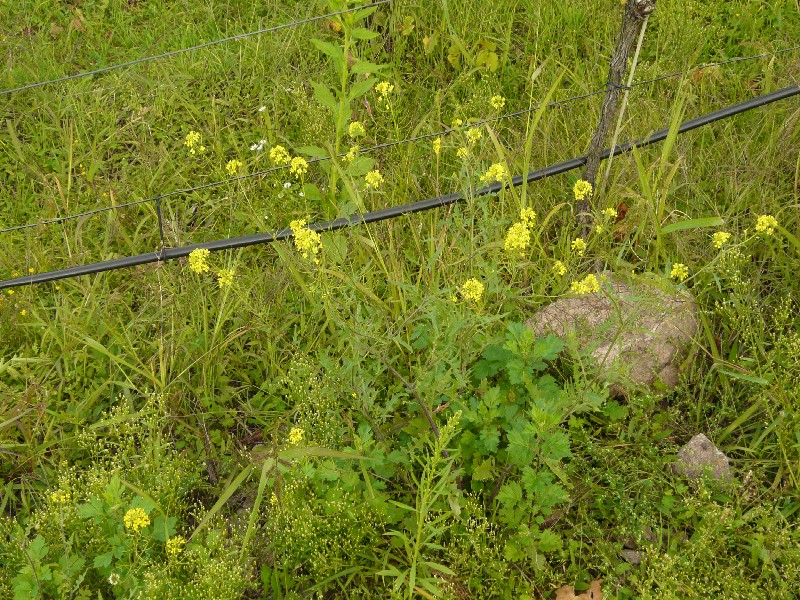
column 174, row 545
column 559, row 269
column 384, row 88
column 136, row 519
column 527, row 216
column 23, row 312
column 579, row 246
column 437, row 146
column 462, row 152
column 296, row 436
column 351, row 154
column 517, row 238
column 197, row 260
column 58, row 287
column 766, row 224
column 582, row 189
column 60, row 497
column 587, row 285
column 473, row 135
column 299, row 167
column 192, row 142
column 374, row 179
column 225, row 277
column 456, row 123
column 720, row 239
column 307, row 242
column 356, row 129
column 497, row 172
column 599, row 228
column 273, row 500
column 472, row 290
column 679, row 272
column 497, row 102
column 10, row 292
column 31, row 270
column 233, row 167
column 279, row 156
column 611, row 213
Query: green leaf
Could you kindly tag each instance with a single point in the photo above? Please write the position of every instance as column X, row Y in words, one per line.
column 693, row 224
column 490, row 440
column 360, row 166
column 313, row 151
column 615, row 411
column 362, row 67
column 555, row 445
column 484, row 471
column 37, row 549
column 103, row 561
column 510, row 494
column 334, row 52
column 360, row 88
column 324, row 96
column 548, row 347
column 549, row 541
column 360, row 33
column 743, row 377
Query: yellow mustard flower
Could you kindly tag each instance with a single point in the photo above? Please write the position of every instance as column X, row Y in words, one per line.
column 611, row 213
column 517, row 239
column 279, row 156
column 197, row 260
column 497, row 102
column 497, row 172
column 437, row 146
column 679, row 272
column 296, row 435
column 473, row 135
column 60, row 497
column 233, row 167
column 384, row 88
column 766, row 224
column 374, row 179
column 192, row 142
column 579, row 246
column 299, row 167
column 273, row 499
column 174, row 545
column 225, row 277
column 456, row 123
column 587, row 285
column 472, row 290
column 23, row 312
column 136, row 519
column 10, row 292
column 356, row 129
column 720, row 238
column 599, row 228
column 31, row 270
column 582, row 189
column 559, row 269
column 527, row 216
column 307, row 242
column 462, row 152
column 351, row 154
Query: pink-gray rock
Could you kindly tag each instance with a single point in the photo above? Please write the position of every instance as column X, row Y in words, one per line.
column 637, row 332
column 700, row 456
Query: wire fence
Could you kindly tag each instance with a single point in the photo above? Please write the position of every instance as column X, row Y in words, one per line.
column 264, row 172
column 146, row 59
column 397, row 211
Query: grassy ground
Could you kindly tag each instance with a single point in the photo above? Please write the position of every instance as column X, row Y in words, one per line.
column 275, row 424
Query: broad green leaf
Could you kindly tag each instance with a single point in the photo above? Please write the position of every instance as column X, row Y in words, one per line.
column 334, row 52
column 692, row 224
column 363, row 67
column 324, row 96
column 360, row 166
column 360, row 33
column 360, row 88
column 313, row 151
column 510, row 494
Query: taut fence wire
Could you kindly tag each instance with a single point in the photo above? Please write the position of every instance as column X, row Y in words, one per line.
column 396, row 211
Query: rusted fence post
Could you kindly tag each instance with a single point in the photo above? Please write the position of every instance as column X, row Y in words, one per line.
column 636, row 15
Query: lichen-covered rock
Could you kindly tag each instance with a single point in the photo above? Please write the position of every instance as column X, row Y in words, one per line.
column 638, row 332
column 700, row 456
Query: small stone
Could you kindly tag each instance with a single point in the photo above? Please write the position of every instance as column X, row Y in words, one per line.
column 700, row 456
column 633, row 557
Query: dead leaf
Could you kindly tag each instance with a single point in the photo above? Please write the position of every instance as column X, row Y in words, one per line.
column 55, row 29
column 567, row 592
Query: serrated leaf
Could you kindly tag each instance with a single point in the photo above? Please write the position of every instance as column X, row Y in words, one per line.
column 484, row 471
column 548, row 347
column 103, row 560
column 555, row 445
column 549, row 541
column 489, row 440
column 510, row 494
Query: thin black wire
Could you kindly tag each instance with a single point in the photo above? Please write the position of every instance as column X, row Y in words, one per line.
column 397, row 211
column 189, row 49
column 389, row 144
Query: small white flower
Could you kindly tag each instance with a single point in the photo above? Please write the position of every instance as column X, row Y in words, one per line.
column 301, row 194
column 287, row 185
column 262, row 108
column 113, row 579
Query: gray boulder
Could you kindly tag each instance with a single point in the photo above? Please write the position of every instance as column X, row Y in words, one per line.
column 700, row 456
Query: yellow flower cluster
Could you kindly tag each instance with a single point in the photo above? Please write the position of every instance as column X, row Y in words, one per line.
column 497, row 102
column 579, row 246
column 456, row 123
column 373, row 179
column 679, row 272
column 279, row 156
column 193, row 143
column 472, row 290
column 225, row 277
column 497, row 172
column 720, row 238
column 473, row 135
column 559, row 269
column 384, row 88
column 296, row 436
column 582, row 189
column 307, row 242
column 60, row 497
column 175, row 545
column 136, row 519
column 437, row 146
column 587, row 285
column 351, row 154
column 766, row 224
column 356, row 129
column 527, row 216
column 462, row 152
column 517, row 239
column 611, row 213
column 197, row 260
column 233, row 167
column 299, row 167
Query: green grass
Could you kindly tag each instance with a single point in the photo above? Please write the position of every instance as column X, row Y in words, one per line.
column 154, row 388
